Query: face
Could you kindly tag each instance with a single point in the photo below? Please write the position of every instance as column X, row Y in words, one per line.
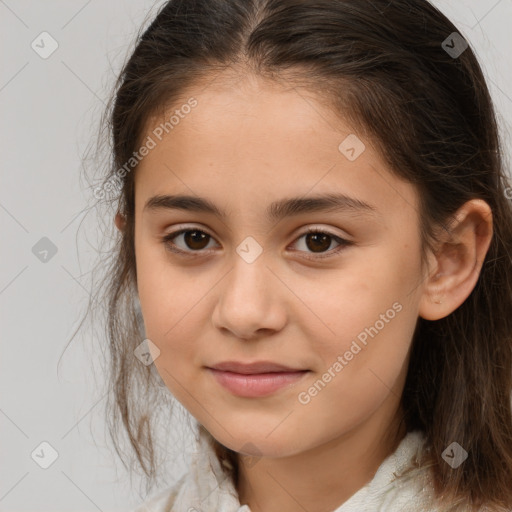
column 336, row 307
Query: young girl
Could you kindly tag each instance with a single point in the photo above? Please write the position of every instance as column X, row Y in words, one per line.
column 315, row 242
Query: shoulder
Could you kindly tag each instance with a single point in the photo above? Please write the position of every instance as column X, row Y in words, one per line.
column 164, row 500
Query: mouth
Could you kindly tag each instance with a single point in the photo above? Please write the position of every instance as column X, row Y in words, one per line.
column 257, row 379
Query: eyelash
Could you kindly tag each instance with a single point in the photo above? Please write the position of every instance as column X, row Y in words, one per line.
column 171, row 246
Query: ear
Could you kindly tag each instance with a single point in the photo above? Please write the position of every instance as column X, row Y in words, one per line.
column 120, row 221
column 457, row 261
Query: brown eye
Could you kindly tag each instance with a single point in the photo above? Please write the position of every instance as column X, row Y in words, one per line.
column 318, row 242
column 193, row 240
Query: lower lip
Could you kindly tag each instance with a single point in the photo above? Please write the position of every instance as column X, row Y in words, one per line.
column 257, row 384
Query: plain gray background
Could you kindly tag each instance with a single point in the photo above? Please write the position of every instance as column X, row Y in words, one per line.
column 50, row 108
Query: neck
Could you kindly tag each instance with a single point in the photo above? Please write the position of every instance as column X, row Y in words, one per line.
column 325, row 476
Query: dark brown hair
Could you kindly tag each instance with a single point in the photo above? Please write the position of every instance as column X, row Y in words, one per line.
column 382, row 66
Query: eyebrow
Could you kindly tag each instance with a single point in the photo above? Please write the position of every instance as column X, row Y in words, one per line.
column 275, row 211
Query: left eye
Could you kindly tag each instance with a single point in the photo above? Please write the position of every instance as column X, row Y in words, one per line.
column 196, row 240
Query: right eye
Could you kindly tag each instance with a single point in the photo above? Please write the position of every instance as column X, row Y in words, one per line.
column 193, row 238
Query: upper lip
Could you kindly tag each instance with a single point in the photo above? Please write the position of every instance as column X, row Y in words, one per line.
column 256, row 367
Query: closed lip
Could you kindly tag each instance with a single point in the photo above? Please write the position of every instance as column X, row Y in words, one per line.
column 254, row 368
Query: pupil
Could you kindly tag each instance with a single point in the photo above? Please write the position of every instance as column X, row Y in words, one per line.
column 315, row 238
column 191, row 241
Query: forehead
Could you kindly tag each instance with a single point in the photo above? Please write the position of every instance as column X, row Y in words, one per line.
column 265, row 110
column 264, row 140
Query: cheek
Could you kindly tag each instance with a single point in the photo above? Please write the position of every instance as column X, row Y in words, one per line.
column 362, row 368
column 365, row 297
column 372, row 314
column 359, row 377
column 166, row 291
column 176, row 306
column 167, row 301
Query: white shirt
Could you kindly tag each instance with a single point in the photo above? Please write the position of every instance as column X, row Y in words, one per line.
column 206, row 487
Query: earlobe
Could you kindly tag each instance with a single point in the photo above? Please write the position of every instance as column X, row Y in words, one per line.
column 457, row 261
column 120, row 221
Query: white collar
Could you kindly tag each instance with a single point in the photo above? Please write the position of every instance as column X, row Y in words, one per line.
column 207, row 487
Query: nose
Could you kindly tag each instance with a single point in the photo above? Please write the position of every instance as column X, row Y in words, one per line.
column 251, row 301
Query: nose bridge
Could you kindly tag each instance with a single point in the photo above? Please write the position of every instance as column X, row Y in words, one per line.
column 247, row 300
column 249, row 279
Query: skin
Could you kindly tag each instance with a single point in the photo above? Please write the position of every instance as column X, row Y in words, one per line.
column 242, row 148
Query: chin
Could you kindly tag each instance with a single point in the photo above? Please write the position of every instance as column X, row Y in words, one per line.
column 257, row 440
